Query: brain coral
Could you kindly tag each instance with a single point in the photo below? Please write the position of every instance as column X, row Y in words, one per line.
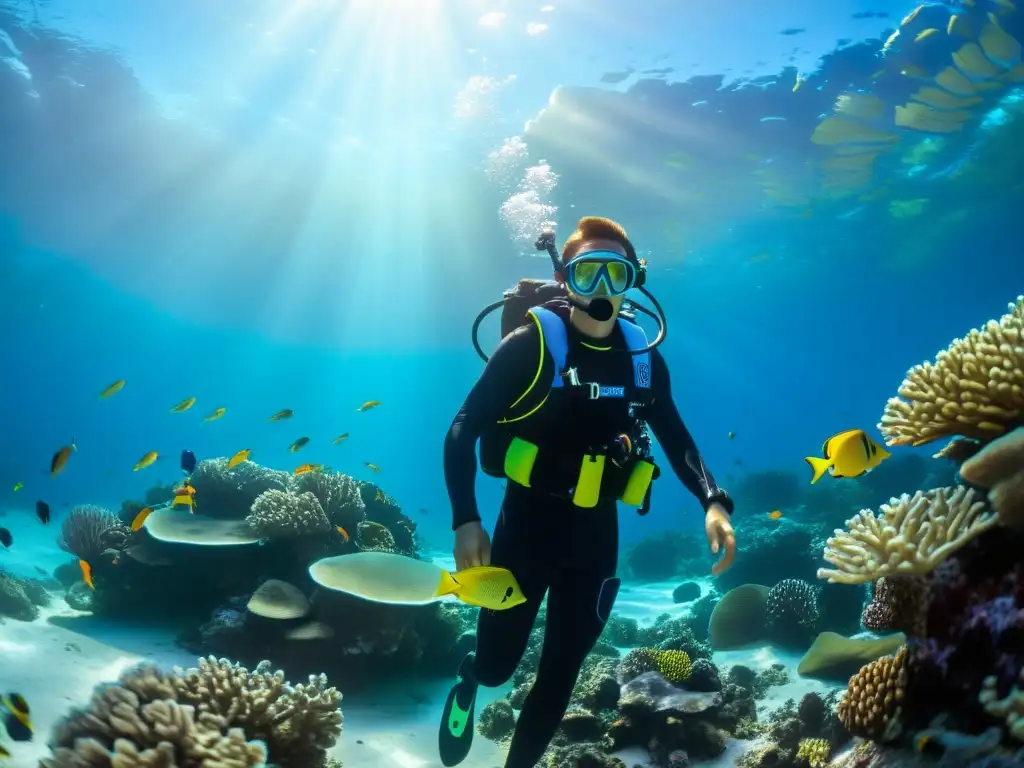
column 280, row 514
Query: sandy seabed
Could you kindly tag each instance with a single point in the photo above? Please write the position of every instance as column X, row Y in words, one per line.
column 56, row 661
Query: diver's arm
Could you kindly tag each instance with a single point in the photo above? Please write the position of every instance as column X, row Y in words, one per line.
column 507, row 375
column 676, row 441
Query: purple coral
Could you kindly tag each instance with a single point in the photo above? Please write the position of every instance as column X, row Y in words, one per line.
column 81, row 533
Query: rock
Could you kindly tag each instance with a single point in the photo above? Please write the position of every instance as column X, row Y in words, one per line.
column 686, row 592
column 497, row 720
column 79, row 597
column 650, row 690
column 466, row 643
column 579, row 725
column 68, row 574
column 834, row 657
column 739, row 618
column 14, row 602
column 36, row 592
column 704, row 677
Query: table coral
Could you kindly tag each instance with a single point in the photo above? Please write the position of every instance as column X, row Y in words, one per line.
column 975, row 388
column 912, row 534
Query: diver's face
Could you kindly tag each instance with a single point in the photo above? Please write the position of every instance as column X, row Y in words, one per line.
column 600, row 245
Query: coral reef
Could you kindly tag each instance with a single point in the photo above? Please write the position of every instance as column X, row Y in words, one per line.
column 874, row 698
column 219, row 714
column 686, row 592
column 898, row 604
column 974, row 389
column 84, row 531
column 912, row 534
column 280, row 514
column 497, row 721
column 340, row 496
column 773, row 550
column 230, row 493
column 792, row 613
column 19, row 598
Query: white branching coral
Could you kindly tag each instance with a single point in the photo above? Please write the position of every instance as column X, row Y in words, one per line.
column 1009, row 709
column 975, row 388
column 912, row 534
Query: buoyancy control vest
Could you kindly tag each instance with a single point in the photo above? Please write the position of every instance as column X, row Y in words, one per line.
column 519, row 447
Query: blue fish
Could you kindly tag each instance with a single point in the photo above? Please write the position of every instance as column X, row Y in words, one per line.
column 188, row 462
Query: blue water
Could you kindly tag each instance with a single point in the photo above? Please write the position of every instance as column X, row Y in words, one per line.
column 268, row 206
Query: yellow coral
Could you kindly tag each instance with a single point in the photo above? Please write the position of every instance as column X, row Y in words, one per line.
column 1009, row 709
column 975, row 388
column 674, row 666
column 874, row 698
column 815, row 751
column 913, row 534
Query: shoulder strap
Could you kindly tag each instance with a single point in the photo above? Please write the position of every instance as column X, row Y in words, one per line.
column 555, row 336
column 637, row 339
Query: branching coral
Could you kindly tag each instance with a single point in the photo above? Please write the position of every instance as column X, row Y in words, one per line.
column 873, row 700
column 815, row 752
column 297, row 723
column 898, row 604
column 1000, row 468
column 280, row 514
column 339, row 496
column 82, row 532
column 913, row 534
column 138, row 723
column 1009, row 709
column 975, row 388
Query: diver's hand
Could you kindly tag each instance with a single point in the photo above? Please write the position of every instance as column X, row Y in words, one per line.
column 472, row 546
column 720, row 534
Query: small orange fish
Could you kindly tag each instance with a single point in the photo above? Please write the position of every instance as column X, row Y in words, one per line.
column 141, row 518
column 60, row 458
column 343, row 532
column 775, row 514
column 374, row 467
column 184, row 405
column 213, row 416
column 340, row 439
column 117, row 386
column 368, row 405
column 86, row 573
column 306, row 468
column 145, row 461
column 239, row 457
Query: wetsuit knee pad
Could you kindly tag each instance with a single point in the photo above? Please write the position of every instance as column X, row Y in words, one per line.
column 606, row 598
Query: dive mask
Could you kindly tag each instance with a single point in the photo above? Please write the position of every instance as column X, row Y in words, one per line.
column 586, row 274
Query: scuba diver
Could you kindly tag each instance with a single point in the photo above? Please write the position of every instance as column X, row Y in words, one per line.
column 562, row 411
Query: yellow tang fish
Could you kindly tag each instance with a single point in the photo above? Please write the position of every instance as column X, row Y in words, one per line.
column 141, row 518
column 847, row 454
column 60, row 458
column 184, row 405
column 306, row 468
column 374, row 467
column 385, row 577
column 281, row 415
column 239, row 457
column 117, row 386
column 340, row 439
column 924, row 35
column 216, row 414
column 298, row 444
column 368, row 405
column 18, row 486
column 145, row 461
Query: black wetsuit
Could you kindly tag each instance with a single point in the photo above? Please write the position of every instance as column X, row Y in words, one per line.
column 550, row 544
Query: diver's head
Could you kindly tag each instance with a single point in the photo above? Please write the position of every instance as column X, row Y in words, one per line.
column 599, row 263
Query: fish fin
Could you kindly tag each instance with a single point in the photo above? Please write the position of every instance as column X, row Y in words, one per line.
column 448, row 585
column 818, row 466
column 824, row 446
